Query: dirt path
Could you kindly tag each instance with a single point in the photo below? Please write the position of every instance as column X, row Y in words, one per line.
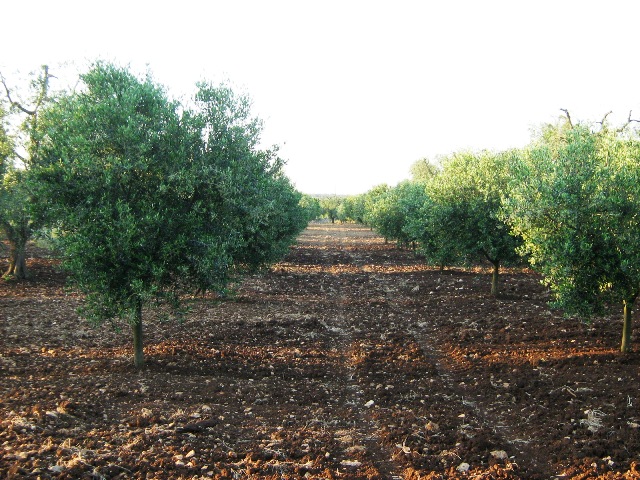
column 350, row 359
column 349, row 335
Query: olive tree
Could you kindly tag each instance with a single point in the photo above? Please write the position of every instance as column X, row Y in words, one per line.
column 395, row 209
column 369, row 200
column 311, row 206
column 575, row 201
column 466, row 204
column 425, row 226
column 18, row 219
column 353, row 208
column 330, row 207
column 151, row 199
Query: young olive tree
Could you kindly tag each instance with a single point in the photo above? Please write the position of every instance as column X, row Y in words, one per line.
column 353, row 208
column 575, row 201
column 393, row 211
column 311, row 206
column 331, row 207
column 466, row 203
column 425, row 220
column 385, row 215
column 151, row 200
column 369, row 201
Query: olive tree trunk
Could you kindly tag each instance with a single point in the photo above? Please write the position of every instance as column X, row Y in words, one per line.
column 138, row 353
column 495, row 277
column 17, row 255
column 625, row 346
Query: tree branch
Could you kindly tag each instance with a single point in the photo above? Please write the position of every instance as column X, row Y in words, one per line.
column 11, row 101
column 629, row 120
column 604, row 119
column 20, row 157
column 566, row 112
column 44, row 87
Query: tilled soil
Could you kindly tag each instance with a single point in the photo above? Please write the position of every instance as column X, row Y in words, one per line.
column 350, row 359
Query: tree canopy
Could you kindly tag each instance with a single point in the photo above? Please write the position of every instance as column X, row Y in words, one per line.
column 575, row 202
column 467, row 197
column 151, row 199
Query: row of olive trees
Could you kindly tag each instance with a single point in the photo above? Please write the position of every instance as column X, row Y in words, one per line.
column 149, row 199
column 569, row 203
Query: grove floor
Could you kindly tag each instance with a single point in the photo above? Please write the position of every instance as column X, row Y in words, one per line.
column 351, row 359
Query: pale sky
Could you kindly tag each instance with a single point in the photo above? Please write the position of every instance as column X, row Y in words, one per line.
column 356, row 91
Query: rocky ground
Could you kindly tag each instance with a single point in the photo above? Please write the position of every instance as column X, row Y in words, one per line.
column 350, row 359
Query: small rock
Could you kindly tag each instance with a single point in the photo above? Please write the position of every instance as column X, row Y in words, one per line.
column 463, row 467
column 369, row 404
column 499, row 454
column 355, row 449
column 350, row 463
column 192, row 453
column 404, row 448
column 432, row 426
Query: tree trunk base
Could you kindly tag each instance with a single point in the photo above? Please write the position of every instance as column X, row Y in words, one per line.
column 17, row 266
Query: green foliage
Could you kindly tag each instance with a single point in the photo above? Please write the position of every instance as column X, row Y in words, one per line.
column 6, row 143
column 15, row 198
column 369, row 201
column 353, row 208
column 260, row 207
column 423, row 171
column 395, row 209
column 575, row 202
column 18, row 218
column 468, row 196
column 152, row 199
column 311, row 206
column 331, row 207
column 464, row 221
column 426, row 228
